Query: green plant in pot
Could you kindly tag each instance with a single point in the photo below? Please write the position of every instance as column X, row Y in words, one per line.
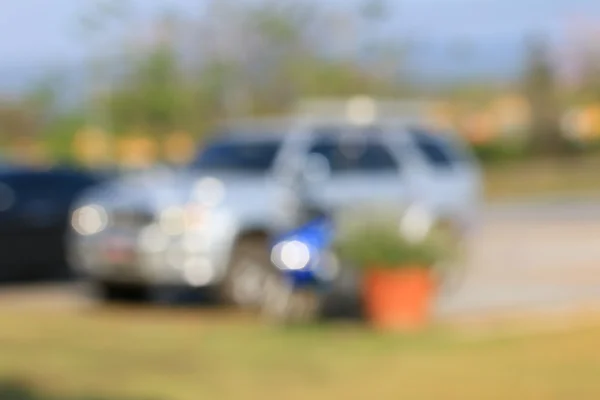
column 399, row 262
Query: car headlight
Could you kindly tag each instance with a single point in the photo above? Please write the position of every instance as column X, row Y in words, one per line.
column 179, row 220
column 291, row 255
column 89, row 220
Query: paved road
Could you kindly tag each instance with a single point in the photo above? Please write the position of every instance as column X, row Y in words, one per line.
column 532, row 257
column 527, row 257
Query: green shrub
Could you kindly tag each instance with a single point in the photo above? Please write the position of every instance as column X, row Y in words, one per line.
column 381, row 245
column 501, row 151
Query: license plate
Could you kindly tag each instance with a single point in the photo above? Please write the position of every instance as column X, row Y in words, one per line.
column 120, row 251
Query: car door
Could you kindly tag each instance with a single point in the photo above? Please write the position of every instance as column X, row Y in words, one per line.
column 27, row 202
column 449, row 179
column 343, row 172
column 34, row 217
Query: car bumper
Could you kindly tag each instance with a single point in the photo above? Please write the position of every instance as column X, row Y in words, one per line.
column 177, row 261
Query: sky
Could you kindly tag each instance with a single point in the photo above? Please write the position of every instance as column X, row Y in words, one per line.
column 48, row 30
column 44, row 32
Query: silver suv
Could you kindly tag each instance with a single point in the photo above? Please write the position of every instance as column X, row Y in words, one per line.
column 209, row 225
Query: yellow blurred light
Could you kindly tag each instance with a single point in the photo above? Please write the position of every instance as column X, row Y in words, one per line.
column 361, row 110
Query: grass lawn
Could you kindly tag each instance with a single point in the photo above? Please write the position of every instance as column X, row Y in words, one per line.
column 172, row 355
column 570, row 177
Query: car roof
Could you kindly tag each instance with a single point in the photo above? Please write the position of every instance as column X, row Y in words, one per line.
column 281, row 127
column 253, row 128
column 63, row 172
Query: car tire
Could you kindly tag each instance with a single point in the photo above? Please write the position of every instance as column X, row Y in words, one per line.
column 344, row 298
column 112, row 292
column 247, row 274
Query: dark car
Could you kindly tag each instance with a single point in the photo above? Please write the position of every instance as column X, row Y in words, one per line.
column 34, row 213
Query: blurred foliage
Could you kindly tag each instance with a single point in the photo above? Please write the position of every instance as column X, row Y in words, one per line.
column 149, row 95
column 379, row 244
column 185, row 73
column 17, row 390
column 60, row 134
column 540, row 87
column 18, row 120
column 255, row 58
column 501, row 151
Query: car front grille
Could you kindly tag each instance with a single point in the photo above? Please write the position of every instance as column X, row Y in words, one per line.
column 131, row 219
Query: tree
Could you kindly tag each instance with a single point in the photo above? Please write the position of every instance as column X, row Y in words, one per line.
column 18, row 121
column 149, row 95
column 29, row 115
column 539, row 85
column 589, row 86
column 99, row 28
column 244, row 57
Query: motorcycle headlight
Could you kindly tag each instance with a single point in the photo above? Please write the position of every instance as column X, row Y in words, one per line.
column 291, row 255
column 89, row 220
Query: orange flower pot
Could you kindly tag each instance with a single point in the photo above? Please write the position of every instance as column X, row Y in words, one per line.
column 398, row 299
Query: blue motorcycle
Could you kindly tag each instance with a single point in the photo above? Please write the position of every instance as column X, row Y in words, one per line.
column 306, row 270
column 302, row 254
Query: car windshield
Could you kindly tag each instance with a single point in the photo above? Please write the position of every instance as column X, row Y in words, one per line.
column 254, row 156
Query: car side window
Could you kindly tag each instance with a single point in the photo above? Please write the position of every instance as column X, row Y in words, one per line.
column 24, row 185
column 355, row 155
column 245, row 156
column 47, row 185
column 73, row 183
column 437, row 153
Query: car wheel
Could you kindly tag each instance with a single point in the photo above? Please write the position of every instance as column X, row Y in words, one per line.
column 111, row 292
column 247, row 274
column 344, row 298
